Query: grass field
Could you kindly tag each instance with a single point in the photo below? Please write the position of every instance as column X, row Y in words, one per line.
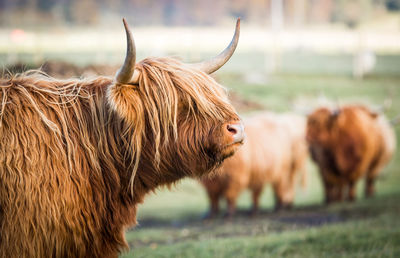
column 170, row 222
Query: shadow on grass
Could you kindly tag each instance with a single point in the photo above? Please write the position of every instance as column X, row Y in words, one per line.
column 153, row 231
column 308, row 216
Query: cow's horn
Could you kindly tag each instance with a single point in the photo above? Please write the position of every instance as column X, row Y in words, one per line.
column 127, row 73
column 217, row 62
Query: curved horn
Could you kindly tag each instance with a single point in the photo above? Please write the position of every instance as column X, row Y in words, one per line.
column 217, row 62
column 125, row 73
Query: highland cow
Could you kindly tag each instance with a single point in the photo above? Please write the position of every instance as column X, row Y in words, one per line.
column 78, row 156
column 347, row 144
column 274, row 152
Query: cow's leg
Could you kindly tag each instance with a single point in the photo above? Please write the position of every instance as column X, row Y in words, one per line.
column 370, row 187
column 256, row 193
column 329, row 192
column 327, row 187
column 370, row 180
column 339, row 192
column 351, row 195
column 334, row 193
column 214, row 205
column 231, row 196
column 279, row 193
column 334, row 189
column 231, row 207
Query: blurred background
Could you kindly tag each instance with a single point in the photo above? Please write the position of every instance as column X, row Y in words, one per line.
column 292, row 56
column 328, row 36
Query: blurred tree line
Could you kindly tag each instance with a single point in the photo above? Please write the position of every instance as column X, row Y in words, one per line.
column 185, row 12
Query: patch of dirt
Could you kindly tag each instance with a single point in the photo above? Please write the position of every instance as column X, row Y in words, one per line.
column 307, row 216
column 299, row 217
column 242, row 224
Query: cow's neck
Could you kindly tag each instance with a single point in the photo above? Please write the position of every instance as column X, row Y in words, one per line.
column 147, row 177
column 148, row 180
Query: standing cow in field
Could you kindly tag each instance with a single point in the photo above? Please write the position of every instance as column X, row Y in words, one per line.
column 274, row 152
column 78, row 156
column 347, row 144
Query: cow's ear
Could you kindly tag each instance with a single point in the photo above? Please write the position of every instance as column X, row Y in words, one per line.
column 335, row 113
column 332, row 118
column 125, row 100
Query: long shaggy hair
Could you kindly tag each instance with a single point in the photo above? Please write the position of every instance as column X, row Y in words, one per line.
column 77, row 156
column 347, row 144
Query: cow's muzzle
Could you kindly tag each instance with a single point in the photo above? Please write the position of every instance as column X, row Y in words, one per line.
column 236, row 131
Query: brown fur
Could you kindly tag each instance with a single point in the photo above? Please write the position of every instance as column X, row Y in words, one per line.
column 78, row 156
column 347, row 144
column 274, row 152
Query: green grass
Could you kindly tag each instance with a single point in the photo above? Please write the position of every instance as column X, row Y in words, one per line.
column 369, row 228
column 170, row 222
column 377, row 237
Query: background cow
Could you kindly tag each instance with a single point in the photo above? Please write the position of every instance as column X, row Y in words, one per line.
column 348, row 143
column 274, row 151
column 78, row 156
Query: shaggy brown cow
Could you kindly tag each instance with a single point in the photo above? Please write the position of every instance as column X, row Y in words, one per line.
column 347, row 144
column 274, row 152
column 78, row 156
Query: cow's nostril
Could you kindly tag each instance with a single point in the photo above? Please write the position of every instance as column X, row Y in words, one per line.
column 231, row 129
column 236, row 131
